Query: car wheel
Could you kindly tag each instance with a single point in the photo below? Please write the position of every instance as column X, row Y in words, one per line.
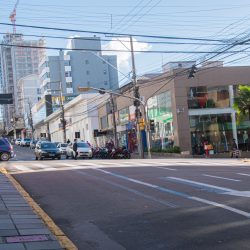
column 40, row 158
column 67, row 157
column 5, row 156
column 36, row 158
column 59, row 158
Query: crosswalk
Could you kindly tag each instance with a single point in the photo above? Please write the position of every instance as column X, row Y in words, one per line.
column 168, row 164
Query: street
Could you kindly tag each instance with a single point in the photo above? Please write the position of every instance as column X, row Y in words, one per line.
column 142, row 204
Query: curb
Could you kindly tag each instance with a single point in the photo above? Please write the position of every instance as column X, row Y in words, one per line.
column 64, row 241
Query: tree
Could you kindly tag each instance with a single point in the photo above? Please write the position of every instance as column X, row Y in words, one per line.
column 242, row 102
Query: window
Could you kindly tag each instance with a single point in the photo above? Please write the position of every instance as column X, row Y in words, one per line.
column 77, row 135
column 67, row 73
column 68, row 84
column 87, row 72
column 105, row 83
column 66, row 63
column 86, row 61
column 105, row 72
column 38, row 91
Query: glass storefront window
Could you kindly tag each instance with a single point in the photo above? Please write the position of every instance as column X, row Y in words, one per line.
column 208, row 97
column 160, row 110
column 216, row 129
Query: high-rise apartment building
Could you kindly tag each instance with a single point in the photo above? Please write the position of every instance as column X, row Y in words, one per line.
column 18, row 62
column 83, row 65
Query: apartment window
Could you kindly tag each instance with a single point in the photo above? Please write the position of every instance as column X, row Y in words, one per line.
column 67, row 74
column 38, row 91
column 105, row 82
column 68, row 84
column 66, row 63
column 87, row 72
column 105, row 72
column 86, row 61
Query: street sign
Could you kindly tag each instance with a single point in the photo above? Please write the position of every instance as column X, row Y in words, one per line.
column 6, row 99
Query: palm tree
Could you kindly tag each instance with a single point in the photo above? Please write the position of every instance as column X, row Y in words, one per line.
column 242, row 102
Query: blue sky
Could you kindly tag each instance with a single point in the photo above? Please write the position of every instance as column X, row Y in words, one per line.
column 194, row 18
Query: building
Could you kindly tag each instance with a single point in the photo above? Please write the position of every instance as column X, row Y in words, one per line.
column 81, row 120
column 29, row 87
column 18, row 62
column 185, row 111
column 78, row 68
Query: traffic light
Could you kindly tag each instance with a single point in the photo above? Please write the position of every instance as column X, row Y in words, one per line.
column 192, row 71
column 152, row 125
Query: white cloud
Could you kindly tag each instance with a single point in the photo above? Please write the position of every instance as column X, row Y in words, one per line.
column 123, row 58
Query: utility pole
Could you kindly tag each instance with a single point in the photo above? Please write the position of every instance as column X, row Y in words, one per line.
column 63, row 121
column 31, row 120
column 114, row 121
column 62, row 114
column 137, row 104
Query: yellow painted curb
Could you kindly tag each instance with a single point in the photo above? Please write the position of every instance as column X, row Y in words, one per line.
column 65, row 242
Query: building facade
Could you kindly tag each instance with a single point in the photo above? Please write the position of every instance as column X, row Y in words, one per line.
column 186, row 112
column 18, row 62
column 81, row 67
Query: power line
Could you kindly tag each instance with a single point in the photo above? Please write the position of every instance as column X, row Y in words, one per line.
column 116, row 34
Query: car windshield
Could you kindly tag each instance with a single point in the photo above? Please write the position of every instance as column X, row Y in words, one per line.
column 48, row 145
column 27, row 139
column 83, row 145
column 64, row 145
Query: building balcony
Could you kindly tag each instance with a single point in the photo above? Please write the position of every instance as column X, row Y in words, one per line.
column 45, row 81
column 44, row 71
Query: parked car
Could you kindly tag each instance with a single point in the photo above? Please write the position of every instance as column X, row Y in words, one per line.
column 47, row 150
column 33, row 144
column 83, row 149
column 18, row 142
column 6, row 150
column 25, row 142
column 62, row 147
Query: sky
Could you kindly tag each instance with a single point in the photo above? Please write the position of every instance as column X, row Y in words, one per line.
column 222, row 20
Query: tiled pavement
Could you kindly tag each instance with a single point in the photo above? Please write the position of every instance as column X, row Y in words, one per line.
column 20, row 227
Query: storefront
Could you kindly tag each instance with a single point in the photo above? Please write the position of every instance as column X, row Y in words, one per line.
column 160, row 110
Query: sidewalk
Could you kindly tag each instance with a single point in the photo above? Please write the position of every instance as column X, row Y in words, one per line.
column 20, row 227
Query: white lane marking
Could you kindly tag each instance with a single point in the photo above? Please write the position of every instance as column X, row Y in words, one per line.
column 219, row 177
column 131, row 190
column 171, row 169
column 243, row 174
column 67, row 164
column 237, row 211
column 217, row 189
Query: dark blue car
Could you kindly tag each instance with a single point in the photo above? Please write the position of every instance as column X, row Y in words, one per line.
column 6, row 150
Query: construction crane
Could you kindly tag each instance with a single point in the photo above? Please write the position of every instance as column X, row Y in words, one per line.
column 13, row 17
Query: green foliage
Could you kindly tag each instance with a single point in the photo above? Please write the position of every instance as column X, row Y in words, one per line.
column 242, row 103
column 174, row 149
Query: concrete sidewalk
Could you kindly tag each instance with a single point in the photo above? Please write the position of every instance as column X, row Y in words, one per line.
column 22, row 228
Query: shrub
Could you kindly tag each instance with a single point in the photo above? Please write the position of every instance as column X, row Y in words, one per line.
column 174, row 149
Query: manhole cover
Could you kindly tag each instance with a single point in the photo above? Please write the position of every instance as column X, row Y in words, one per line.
column 26, row 238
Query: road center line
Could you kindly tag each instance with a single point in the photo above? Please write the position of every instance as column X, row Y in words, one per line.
column 170, row 191
column 218, row 177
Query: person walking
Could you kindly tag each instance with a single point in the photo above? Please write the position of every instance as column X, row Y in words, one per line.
column 68, row 141
column 235, row 150
column 75, row 149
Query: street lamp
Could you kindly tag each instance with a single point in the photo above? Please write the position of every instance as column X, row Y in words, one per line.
column 103, row 91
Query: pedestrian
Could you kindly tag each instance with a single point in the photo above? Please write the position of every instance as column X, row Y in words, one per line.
column 235, row 151
column 68, row 141
column 75, row 149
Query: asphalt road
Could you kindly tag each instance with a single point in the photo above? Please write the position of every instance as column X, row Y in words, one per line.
column 143, row 204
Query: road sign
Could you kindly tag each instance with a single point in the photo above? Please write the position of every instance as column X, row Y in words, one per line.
column 6, row 99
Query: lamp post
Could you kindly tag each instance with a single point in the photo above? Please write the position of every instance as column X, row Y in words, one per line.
column 103, row 91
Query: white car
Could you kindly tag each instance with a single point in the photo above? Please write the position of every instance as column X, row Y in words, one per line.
column 25, row 142
column 18, row 142
column 62, row 147
column 83, row 149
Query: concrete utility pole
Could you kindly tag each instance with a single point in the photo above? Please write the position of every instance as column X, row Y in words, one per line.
column 31, row 120
column 114, row 121
column 137, row 106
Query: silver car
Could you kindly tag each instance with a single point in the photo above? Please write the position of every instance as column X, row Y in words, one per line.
column 62, row 147
column 83, row 149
